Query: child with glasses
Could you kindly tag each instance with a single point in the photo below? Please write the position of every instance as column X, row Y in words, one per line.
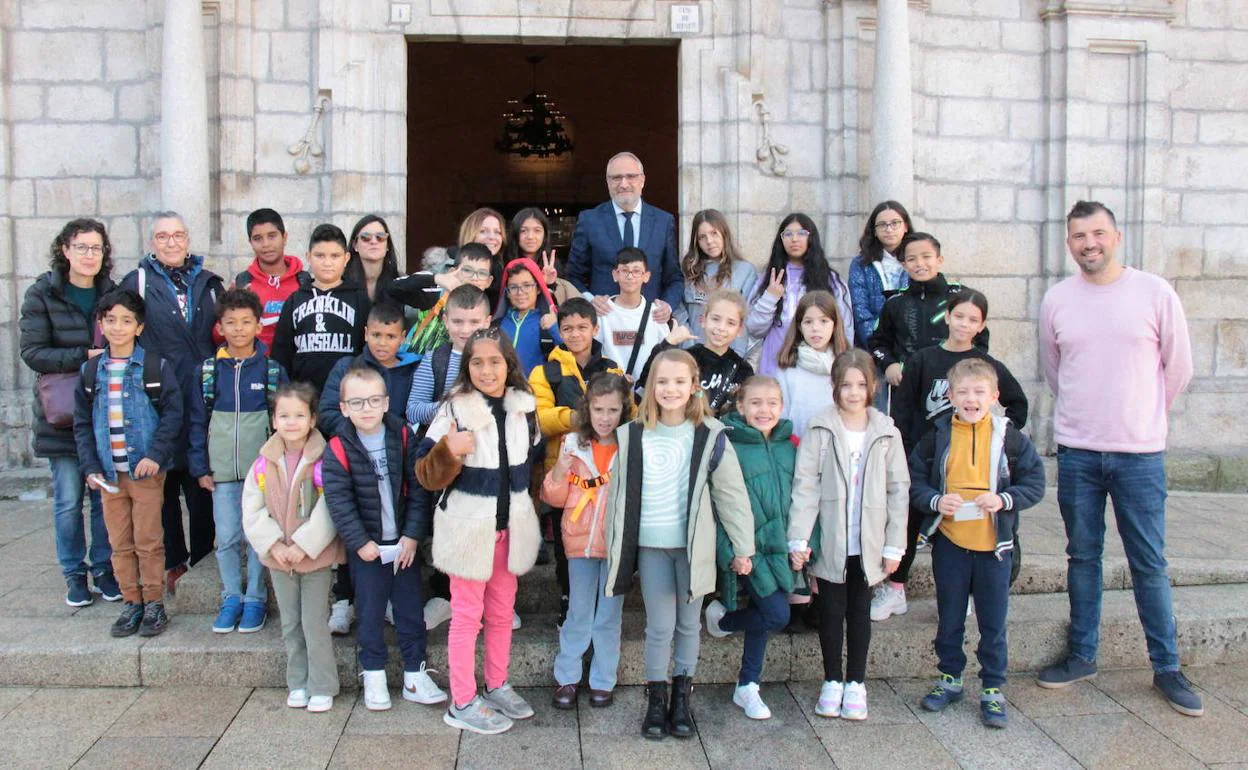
column 371, row 490
column 629, row 333
column 527, row 313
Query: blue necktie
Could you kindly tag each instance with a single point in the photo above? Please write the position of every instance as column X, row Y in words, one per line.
column 628, row 228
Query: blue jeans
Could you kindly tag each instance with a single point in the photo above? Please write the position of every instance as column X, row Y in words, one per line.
column 592, row 617
column 227, row 514
column 1137, row 485
column 71, row 542
column 960, row 574
column 375, row 584
column 765, row 613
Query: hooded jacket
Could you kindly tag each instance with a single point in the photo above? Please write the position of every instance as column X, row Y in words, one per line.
column 822, row 494
column 273, row 291
column 398, row 379
column 317, row 328
column 464, row 516
column 55, row 338
column 914, row 318
column 557, row 397
column 226, row 440
column 583, row 497
column 290, row 509
column 720, row 493
column 1019, row 479
column 524, row 329
column 720, row 376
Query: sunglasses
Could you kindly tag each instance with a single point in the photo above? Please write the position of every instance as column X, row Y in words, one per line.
column 370, row 237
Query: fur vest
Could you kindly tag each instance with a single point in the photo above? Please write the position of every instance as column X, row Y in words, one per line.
column 464, row 515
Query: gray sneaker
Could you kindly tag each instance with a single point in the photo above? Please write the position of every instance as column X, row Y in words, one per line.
column 477, row 717
column 1064, row 674
column 509, row 702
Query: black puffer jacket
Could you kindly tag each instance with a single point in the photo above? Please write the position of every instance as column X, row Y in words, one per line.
column 55, row 337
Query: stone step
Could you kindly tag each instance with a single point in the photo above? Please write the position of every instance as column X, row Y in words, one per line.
column 77, row 650
column 199, row 590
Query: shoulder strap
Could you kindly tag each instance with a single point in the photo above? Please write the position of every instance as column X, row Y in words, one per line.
column 318, row 479
column 242, row 280
column 441, row 362
column 554, row 375
column 89, row 375
column 641, row 334
column 262, row 464
column 151, row 377
column 335, row 446
column 717, row 451
column 208, row 382
column 273, row 373
column 142, row 277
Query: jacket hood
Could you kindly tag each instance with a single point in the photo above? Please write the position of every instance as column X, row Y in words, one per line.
column 193, row 261
column 938, row 286
column 261, row 353
column 294, row 266
column 741, row 432
column 543, row 291
column 568, row 361
column 400, row 360
column 275, row 449
column 472, row 412
column 56, row 281
column 830, row 419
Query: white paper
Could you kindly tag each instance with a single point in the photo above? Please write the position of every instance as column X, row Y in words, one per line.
column 964, row 512
column 389, row 553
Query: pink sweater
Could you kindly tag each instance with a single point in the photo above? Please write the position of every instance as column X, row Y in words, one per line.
column 1116, row 357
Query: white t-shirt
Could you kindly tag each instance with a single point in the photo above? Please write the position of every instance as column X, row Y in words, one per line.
column 617, row 331
column 855, row 439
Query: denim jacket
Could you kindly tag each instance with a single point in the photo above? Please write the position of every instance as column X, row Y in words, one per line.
column 151, row 429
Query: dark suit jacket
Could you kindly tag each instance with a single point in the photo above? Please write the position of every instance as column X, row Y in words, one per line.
column 597, row 240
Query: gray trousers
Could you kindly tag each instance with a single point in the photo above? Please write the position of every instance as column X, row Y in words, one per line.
column 303, row 602
column 664, row 576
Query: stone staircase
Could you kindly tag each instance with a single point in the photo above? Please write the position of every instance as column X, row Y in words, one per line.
column 1209, row 566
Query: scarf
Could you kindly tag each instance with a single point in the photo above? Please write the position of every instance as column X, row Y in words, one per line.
column 814, row 361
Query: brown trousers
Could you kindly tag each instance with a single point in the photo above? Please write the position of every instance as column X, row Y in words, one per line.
column 132, row 517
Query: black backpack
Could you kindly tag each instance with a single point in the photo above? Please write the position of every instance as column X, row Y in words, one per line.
column 1013, row 448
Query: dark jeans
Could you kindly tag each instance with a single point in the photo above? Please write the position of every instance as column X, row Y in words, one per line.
column 199, row 512
column 343, row 587
column 960, row 574
column 375, row 584
column 555, row 516
column 913, row 525
column 68, row 491
column 764, row 614
column 845, row 616
column 1137, row 485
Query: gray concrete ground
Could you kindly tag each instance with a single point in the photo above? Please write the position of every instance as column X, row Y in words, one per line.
column 1114, row 721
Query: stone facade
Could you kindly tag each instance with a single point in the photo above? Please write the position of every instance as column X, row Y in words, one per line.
column 1019, row 108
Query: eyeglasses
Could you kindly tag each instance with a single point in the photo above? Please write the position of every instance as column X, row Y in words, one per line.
column 370, row 237
column 896, row 224
column 82, row 249
column 474, row 275
column 632, row 272
column 178, row 237
column 521, row 288
column 373, row 402
column 617, row 178
column 789, row 235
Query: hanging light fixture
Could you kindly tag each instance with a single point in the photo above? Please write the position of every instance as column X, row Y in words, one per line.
column 533, row 126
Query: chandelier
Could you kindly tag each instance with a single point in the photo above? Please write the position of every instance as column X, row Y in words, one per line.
column 533, row 125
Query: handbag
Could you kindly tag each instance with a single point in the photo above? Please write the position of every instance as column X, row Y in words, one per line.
column 56, row 396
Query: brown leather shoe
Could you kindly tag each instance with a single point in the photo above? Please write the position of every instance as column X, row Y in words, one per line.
column 564, row 697
column 601, row 698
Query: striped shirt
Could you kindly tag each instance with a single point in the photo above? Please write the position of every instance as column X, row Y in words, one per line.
column 420, row 404
column 116, row 369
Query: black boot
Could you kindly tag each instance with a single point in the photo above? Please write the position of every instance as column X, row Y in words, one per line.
column 680, row 718
column 654, row 726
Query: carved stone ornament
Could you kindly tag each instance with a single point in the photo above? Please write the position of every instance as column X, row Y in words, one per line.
column 308, row 147
column 770, row 153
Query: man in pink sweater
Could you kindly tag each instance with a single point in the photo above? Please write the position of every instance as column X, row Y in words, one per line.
column 1116, row 354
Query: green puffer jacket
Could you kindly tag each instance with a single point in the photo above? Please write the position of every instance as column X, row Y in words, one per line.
column 767, row 466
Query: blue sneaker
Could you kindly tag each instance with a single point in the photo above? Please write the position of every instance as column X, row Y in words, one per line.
column 992, row 708
column 1064, row 674
column 254, row 614
column 76, row 592
column 227, row 618
column 948, row 689
column 106, row 586
column 1179, row 693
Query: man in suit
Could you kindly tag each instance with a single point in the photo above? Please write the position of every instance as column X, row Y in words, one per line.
column 624, row 221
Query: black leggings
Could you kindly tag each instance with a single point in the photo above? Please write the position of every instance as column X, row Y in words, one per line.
column 913, row 526
column 845, row 615
column 555, row 516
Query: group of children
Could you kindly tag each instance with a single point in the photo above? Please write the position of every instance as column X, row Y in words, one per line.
column 659, row 459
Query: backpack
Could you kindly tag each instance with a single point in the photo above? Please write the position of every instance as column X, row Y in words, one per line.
column 340, row 452
column 318, row 484
column 441, row 363
column 208, row 381
column 151, row 378
column 1012, row 449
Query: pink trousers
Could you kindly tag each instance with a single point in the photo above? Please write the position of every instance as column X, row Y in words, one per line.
column 474, row 603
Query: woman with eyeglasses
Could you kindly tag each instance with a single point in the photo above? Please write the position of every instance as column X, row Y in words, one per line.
column 712, row 263
column 876, row 273
column 797, row 264
column 57, row 337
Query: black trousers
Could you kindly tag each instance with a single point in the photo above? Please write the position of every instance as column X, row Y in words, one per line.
column 199, row 511
column 845, row 616
column 913, row 525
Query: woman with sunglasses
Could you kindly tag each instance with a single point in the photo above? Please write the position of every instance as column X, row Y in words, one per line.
column 876, row 273
column 797, row 264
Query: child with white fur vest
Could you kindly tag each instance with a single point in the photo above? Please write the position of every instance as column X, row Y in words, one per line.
column 487, row 527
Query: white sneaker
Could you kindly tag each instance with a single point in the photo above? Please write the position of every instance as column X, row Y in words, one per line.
column 854, row 705
column 888, row 601
column 477, row 717
column 715, row 612
column 507, row 702
column 830, row 695
column 318, row 704
column 376, row 693
column 297, row 699
column 341, row 614
column 437, row 612
column 746, row 696
column 515, row 621
column 419, row 687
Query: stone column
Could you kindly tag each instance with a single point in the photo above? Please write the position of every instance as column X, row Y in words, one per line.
column 184, row 119
column 892, row 132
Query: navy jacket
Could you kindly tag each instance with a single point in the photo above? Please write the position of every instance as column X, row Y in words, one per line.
column 398, row 385
column 597, row 240
column 166, row 332
column 353, row 497
column 228, row 440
